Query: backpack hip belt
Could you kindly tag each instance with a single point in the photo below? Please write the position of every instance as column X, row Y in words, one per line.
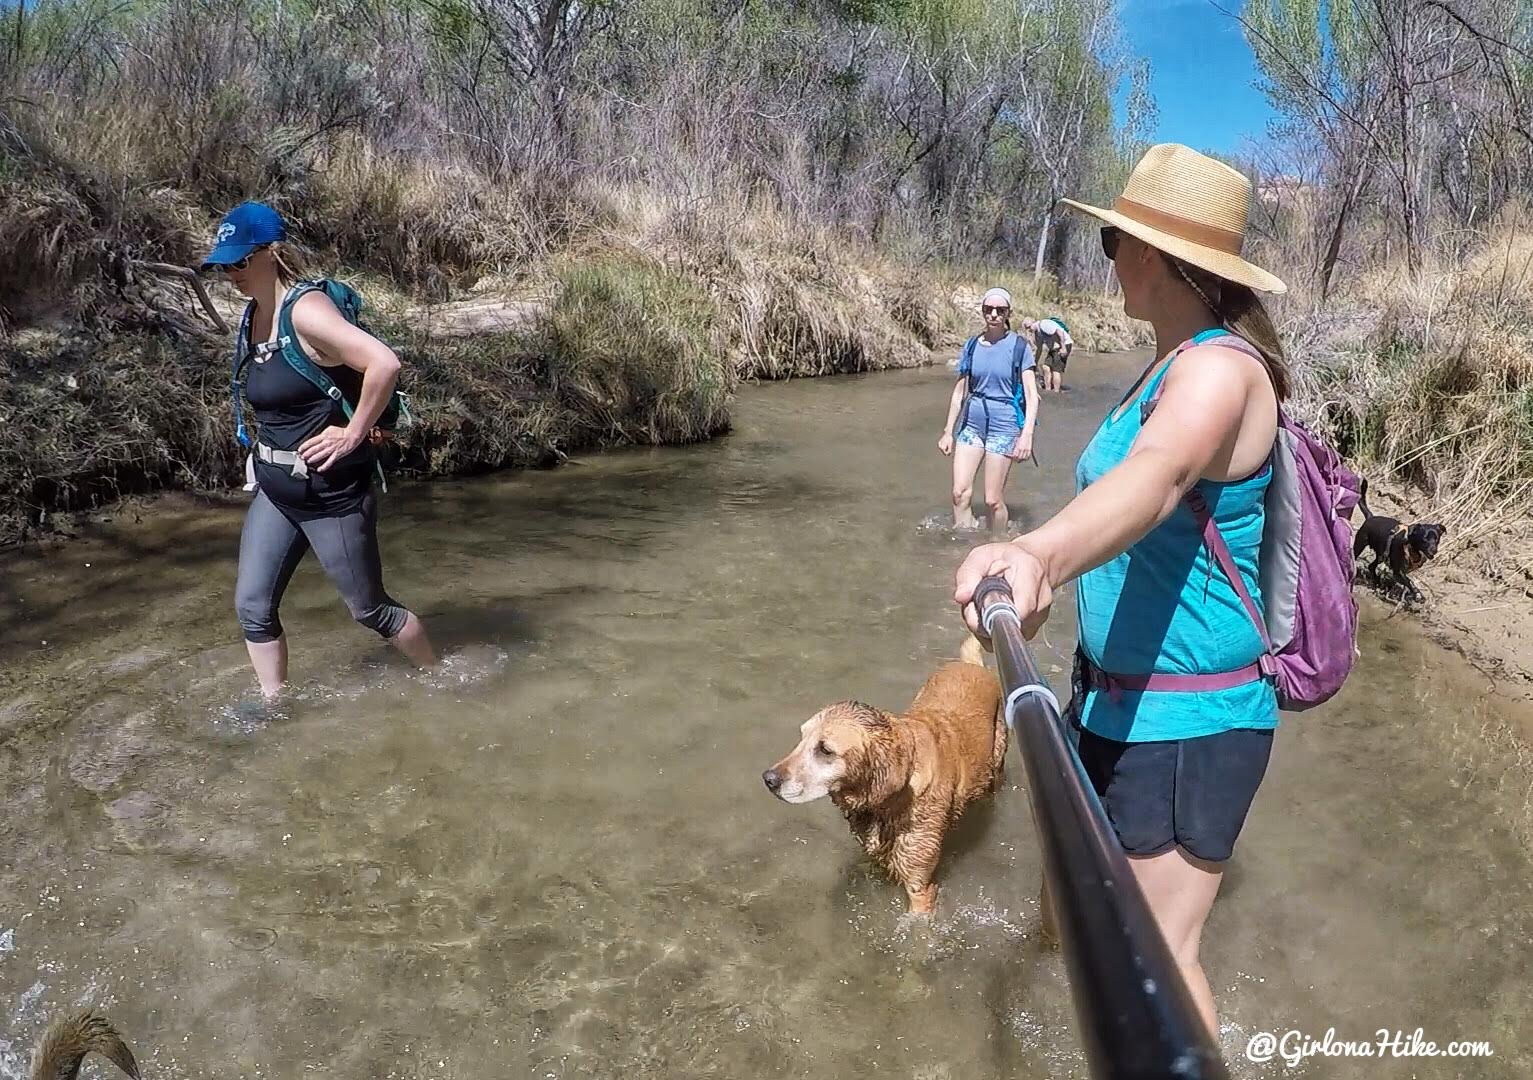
column 1115, row 686
column 288, row 459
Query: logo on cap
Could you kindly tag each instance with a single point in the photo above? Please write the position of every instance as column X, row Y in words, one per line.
column 225, row 231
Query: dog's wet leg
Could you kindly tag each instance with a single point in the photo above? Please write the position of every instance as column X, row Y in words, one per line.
column 915, row 861
column 923, row 899
column 998, row 751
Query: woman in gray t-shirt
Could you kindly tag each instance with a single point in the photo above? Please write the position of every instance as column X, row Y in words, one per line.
column 991, row 414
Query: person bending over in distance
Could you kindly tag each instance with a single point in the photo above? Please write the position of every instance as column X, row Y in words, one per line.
column 1052, row 340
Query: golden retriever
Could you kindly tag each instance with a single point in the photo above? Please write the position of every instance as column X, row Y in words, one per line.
column 902, row 781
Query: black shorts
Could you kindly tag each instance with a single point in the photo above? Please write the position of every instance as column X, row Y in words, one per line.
column 1192, row 793
column 1052, row 352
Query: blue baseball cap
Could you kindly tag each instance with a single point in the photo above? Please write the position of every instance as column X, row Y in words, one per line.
column 248, row 226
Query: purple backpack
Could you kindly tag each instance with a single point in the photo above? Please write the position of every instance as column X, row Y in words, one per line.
column 1305, row 567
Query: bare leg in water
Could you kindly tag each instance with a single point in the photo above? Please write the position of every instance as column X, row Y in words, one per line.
column 1180, row 889
column 997, row 469
column 269, row 658
column 966, row 461
column 413, row 643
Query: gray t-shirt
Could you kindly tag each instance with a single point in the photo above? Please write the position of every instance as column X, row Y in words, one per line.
column 991, row 369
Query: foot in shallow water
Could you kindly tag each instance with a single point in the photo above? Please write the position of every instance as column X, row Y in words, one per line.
column 944, row 523
column 252, row 714
column 465, row 665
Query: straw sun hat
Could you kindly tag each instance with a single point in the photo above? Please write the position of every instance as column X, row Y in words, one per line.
column 1191, row 207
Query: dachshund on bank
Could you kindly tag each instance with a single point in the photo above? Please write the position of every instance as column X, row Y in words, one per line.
column 1403, row 547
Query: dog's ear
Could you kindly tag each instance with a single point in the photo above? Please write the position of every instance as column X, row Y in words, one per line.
column 880, row 770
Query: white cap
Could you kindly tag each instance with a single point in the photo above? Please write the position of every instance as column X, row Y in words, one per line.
column 997, row 294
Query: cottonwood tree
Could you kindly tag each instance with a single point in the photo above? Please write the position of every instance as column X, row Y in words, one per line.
column 1409, row 97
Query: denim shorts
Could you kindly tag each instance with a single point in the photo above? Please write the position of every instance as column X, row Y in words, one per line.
column 1188, row 793
column 990, row 423
column 996, row 443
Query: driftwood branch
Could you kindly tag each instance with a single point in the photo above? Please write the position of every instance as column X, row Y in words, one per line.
column 187, row 274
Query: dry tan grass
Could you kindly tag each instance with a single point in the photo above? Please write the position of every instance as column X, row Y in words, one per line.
column 800, row 300
column 1097, row 322
column 1430, row 381
column 643, row 309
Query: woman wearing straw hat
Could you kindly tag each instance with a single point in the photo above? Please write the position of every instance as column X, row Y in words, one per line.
column 1176, row 770
column 994, row 407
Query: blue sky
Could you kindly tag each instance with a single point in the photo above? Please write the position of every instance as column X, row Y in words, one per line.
column 1202, row 72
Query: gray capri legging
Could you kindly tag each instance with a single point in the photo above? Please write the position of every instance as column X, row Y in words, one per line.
column 273, row 544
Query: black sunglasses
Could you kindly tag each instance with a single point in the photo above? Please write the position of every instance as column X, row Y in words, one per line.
column 241, row 264
column 1110, row 241
column 990, row 309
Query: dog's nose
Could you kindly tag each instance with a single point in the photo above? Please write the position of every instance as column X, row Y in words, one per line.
column 772, row 779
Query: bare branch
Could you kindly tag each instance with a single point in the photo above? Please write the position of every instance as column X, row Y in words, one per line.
column 190, row 276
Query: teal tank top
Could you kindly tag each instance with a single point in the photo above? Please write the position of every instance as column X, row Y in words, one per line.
column 1165, row 607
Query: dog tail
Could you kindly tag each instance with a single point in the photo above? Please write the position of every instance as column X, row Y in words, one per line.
column 71, row 1037
column 1362, row 499
column 971, row 651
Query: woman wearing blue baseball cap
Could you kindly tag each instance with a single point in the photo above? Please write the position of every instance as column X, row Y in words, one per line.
column 312, row 456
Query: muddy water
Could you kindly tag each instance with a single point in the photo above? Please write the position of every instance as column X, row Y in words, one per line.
column 555, row 858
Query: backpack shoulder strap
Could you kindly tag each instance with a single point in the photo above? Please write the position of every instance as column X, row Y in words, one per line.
column 1019, row 351
column 237, row 371
column 967, row 359
column 1194, row 497
column 293, row 352
column 1226, row 340
column 242, row 343
column 1221, row 553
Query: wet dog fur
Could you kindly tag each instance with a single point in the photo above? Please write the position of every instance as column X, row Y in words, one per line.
column 1403, row 547
column 902, row 782
column 72, row 1036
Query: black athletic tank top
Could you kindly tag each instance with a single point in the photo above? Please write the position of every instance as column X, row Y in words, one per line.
column 289, row 409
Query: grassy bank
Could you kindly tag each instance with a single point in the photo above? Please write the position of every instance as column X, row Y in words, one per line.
column 1429, row 382
column 648, row 314
column 677, row 197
